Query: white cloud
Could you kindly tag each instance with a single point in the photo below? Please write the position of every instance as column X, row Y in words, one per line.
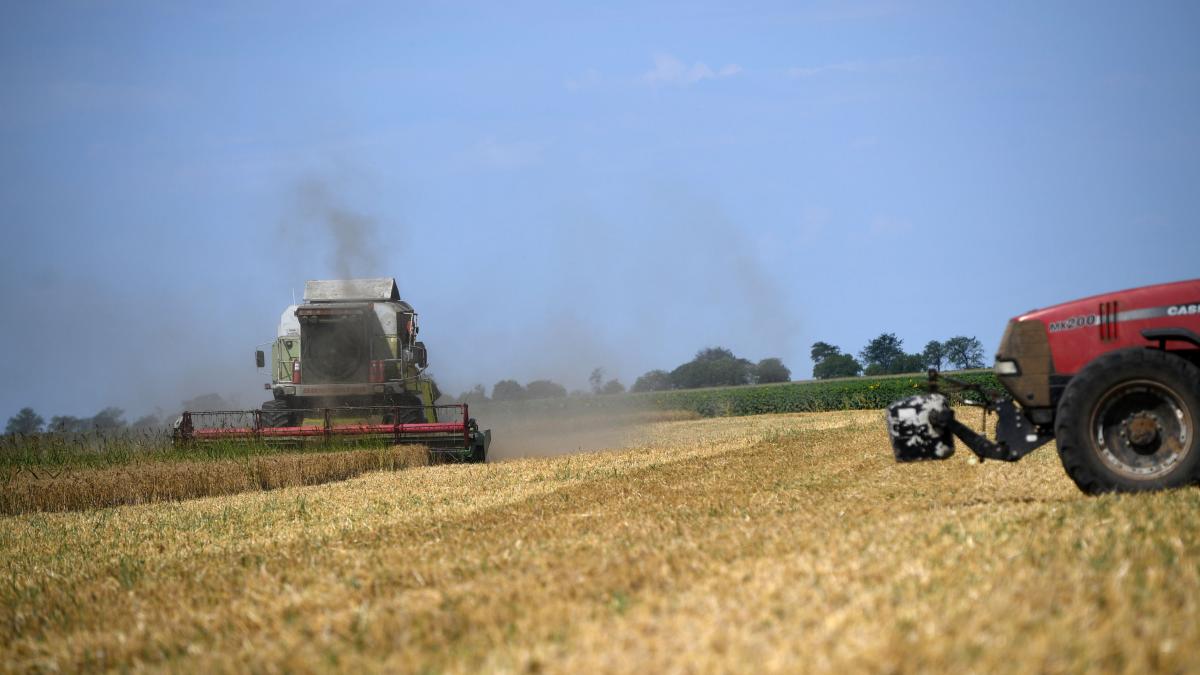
column 670, row 71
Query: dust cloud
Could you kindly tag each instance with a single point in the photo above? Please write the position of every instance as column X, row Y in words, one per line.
column 628, row 297
column 518, row 433
column 624, row 296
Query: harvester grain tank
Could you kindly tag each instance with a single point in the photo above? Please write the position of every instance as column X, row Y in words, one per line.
column 1114, row 379
column 347, row 364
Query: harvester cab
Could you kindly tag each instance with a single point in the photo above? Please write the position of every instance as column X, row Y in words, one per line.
column 347, row 364
column 1113, row 379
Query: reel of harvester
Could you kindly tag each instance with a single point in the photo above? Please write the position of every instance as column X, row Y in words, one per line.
column 453, row 437
column 924, row 426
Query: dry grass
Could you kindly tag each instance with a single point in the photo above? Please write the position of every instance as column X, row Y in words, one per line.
column 766, row 543
column 74, row 489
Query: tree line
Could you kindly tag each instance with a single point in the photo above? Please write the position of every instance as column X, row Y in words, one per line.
column 885, row 355
column 711, row 367
column 511, row 390
column 28, row 421
column 715, row 367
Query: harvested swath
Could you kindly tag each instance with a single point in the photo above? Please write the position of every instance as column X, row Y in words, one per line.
column 52, row 452
column 68, row 489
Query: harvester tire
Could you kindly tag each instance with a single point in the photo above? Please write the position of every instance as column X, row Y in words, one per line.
column 1128, row 423
column 276, row 414
column 411, row 411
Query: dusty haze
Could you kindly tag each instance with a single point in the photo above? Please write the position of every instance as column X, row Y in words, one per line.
column 620, row 297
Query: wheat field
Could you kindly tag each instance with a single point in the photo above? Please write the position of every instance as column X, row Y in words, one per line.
column 769, row 543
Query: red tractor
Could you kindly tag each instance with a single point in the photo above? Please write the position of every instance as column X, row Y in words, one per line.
column 1114, row 379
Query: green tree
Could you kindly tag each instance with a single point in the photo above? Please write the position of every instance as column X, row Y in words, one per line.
column 964, row 352
column 149, row 421
column 508, row 390
column 771, row 370
column 67, row 424
column 655, row 380
column 904, row 363
column 908, row 363
column 935, row 354
column 712, row 367
column 544, row 389
column 26, row 421
column 108, row 419
column 838, row 365
column 880, row 355
column 823, row 350
column 612, row 387
column 596, row 380
column 208, row 403
column 476, row 394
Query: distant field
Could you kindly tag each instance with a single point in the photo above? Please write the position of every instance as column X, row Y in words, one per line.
column 851, row 393
column 775, row 542
column 50, row 453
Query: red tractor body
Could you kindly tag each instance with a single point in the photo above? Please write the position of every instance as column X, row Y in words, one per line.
column 1081, row 330
column 1114, row 379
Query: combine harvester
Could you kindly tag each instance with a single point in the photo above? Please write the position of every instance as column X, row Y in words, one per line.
column 346, row 366
column 1114, row 379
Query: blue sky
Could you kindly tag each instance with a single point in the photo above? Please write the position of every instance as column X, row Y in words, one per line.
column 558, row 187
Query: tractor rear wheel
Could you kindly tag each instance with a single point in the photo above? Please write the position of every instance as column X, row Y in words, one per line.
column 1127, row 423
column 276, row 414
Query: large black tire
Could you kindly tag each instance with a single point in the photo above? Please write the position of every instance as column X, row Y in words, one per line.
column 1127, row 423
column 410, row 409
column 276, row 414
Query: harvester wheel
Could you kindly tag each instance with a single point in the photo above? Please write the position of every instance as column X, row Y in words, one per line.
column 276, row 414
column 1128, row 423
column 409, row 410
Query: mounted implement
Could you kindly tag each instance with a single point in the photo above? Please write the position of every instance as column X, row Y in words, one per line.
column 1114, row 379
column 346, row 365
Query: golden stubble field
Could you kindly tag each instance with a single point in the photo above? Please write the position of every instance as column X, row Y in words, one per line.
column 771, row 543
